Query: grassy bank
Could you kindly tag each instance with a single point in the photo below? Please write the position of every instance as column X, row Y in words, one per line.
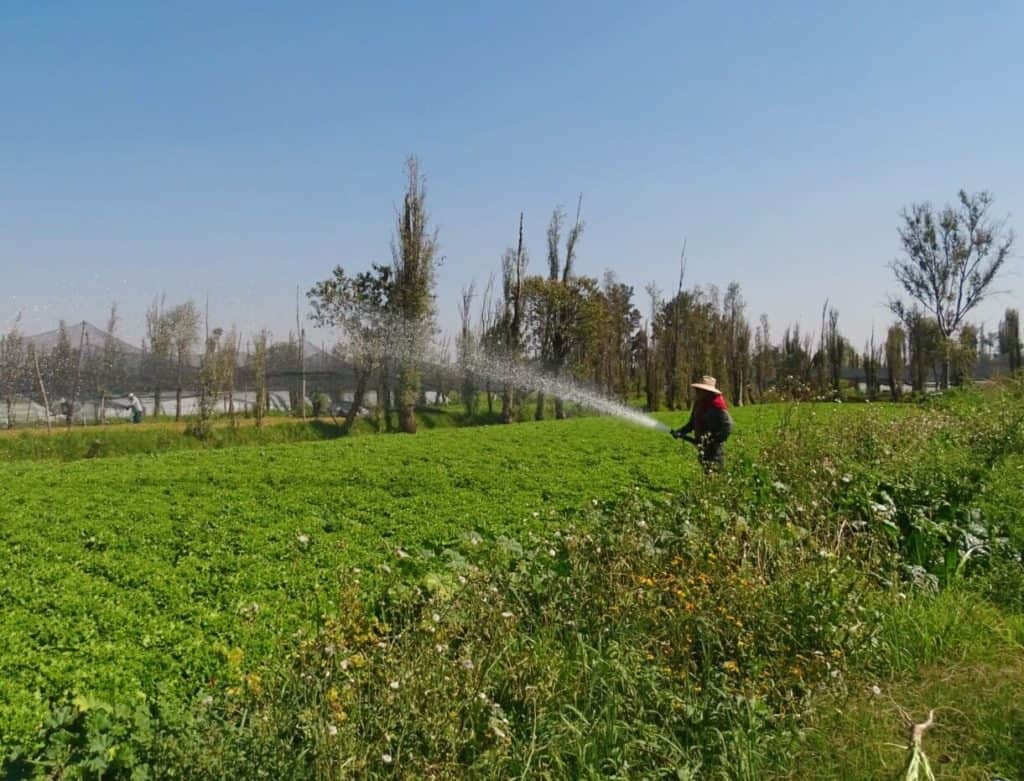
column 164, row 435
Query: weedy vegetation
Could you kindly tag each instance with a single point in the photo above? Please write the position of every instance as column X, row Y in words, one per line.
column 553, row 600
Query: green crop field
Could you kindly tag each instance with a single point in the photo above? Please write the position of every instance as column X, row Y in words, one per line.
column 555, row 599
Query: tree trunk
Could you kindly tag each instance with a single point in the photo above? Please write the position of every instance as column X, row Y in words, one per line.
column 559, row 408
column 508, row 404
column 407, row 391
column 539, row 413
column 177, row 402
column 156, row 401
column 357, row 401
column 42, row 390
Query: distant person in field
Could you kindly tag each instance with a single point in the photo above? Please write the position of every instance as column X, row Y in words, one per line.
column 136, row 408
column 710, row 424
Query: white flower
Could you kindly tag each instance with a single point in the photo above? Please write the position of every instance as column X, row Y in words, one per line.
column 436, row 618
column 506, row 614
column 393, row 685
column 387, row 759
column 536, row 514
column 332, row 730
column 401, row 554
column 462, row 580
column 551, row 552
column 467, row 664
column 876, row 690
column 440, row 648
column 303, row 539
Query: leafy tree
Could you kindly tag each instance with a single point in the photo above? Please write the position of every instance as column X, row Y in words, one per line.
column 414, row 252
column 737, row 351
column 951, row 258
column 61, row 364
column 613, row 352
column 895, row 359
column 556, row 302
column 964, row 355
column 652, row 370
column 924, row 346
column 358, row 307
column 1009, row 339
column 765, row 356
column 216, row 377
column 872, row 361
column 835, row 348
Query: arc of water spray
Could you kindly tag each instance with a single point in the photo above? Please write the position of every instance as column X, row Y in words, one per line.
column 510, row 372
column 406, row 342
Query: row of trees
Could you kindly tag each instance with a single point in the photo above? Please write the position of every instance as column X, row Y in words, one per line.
column 565, row 325
column 75, row 364
column 559, row 324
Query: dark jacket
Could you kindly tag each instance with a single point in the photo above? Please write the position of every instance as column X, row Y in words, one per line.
column 709, row 421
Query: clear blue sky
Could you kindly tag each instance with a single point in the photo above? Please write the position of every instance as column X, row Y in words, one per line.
column 241, row 149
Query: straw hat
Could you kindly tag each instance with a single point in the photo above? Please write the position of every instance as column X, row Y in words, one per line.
column 707, row 383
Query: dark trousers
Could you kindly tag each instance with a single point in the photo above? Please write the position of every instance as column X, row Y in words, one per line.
column 710, row 455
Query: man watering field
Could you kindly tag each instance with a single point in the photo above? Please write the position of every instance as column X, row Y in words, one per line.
column 710, row 424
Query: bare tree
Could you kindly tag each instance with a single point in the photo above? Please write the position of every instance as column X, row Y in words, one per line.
column 951, row 258
column 489, row 335
column 33, row 356
column 466, row 347
column 764, row 356
column 12, row 366
column 738, row 347
column 109, row 363
column 513, row 269
column 834, row 348
column 258, row 367
column 228, row 368
column 182, row 323
column 652, row 375
column 159, row 336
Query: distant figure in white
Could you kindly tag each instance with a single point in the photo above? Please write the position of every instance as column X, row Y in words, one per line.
column 136, row 407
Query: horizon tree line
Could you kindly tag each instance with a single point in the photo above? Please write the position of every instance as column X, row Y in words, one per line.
column 565, row 325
